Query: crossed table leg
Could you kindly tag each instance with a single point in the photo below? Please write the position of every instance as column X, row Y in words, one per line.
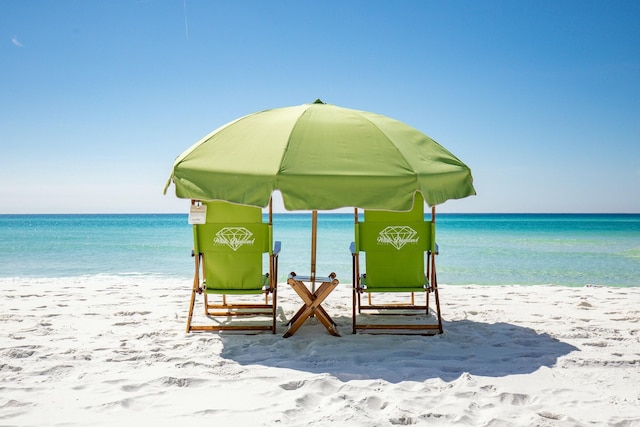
column 312, row 303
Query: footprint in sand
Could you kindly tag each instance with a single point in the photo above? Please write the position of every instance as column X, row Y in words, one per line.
column 293, row 385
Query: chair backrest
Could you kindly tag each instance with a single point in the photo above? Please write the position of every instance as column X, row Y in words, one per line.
column 233, row 242
column 395, row 244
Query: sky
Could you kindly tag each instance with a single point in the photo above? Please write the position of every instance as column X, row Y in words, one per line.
column 541, row 99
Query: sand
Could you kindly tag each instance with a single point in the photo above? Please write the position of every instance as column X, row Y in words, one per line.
column 112, row 350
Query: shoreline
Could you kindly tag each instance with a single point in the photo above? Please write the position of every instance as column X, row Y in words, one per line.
column 281, row 284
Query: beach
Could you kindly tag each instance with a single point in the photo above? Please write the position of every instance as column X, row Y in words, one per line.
column 498, row 139
column 112, row 349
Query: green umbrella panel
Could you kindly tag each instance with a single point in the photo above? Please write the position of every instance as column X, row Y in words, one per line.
column 320, row 157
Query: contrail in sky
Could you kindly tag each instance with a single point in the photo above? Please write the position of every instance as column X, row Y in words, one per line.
column 186, row 23
column 16, row 42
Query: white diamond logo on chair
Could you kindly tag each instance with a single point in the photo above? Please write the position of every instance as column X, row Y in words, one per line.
column 397, row 236
column 234, row 237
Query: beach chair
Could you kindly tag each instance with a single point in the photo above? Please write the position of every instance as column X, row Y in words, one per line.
column 229, row 250
column 399, row 247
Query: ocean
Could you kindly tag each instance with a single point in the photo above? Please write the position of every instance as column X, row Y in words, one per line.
column 483, row 249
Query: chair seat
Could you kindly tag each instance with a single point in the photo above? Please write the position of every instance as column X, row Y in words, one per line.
column 259, row 289
column 236, row 291
column 391, row 287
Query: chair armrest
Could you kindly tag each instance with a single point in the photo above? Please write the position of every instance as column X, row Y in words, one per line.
column 277, row 245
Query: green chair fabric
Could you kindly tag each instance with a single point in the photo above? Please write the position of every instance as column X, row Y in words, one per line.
column 394, row 244
column 232, row 243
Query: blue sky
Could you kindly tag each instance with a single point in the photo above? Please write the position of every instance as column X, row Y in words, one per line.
column 540, row 98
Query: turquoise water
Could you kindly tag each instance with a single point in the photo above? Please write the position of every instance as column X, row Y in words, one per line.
column 487, row 249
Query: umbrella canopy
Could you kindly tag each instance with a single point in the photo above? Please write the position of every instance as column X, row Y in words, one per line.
column 320, row 157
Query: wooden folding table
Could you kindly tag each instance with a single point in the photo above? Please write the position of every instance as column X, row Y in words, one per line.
column 312, row 302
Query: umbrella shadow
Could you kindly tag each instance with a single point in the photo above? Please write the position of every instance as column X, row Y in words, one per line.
column 486, row 349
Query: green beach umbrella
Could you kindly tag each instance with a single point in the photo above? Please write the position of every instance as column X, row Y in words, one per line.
column 320, row 157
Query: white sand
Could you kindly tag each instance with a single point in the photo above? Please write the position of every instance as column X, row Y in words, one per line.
column 112, row 350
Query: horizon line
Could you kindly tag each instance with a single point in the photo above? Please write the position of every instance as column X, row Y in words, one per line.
column 321, row 212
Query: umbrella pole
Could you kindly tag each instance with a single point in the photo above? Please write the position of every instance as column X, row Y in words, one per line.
column 314, row 230
column 434, row 283
column 433, row 255
column 272, row 273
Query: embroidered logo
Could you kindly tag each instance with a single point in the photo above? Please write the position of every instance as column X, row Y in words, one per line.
column 234, row 237
column 397, row 236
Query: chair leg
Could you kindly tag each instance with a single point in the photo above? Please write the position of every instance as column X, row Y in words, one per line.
column 194, row 290
column 437, row 298
column 353, row 307
column 427, row 303
column 193, row 300
column 354, row 287
column 274, row 299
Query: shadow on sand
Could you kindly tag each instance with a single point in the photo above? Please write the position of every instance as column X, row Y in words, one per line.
column 486, row 349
